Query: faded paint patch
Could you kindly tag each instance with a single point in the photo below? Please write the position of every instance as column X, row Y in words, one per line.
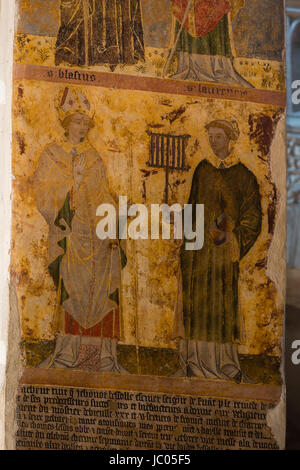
column 263, row 22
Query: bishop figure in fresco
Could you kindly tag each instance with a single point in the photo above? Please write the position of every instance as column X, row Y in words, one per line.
column 70, row 183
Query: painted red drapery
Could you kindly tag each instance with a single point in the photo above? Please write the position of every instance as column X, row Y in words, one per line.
column 204, row 15
column 109, row 327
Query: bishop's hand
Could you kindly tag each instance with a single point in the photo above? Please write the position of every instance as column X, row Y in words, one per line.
column 78, row 170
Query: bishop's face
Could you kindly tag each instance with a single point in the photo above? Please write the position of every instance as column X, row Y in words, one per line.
column 219, row 142
column 78, row 128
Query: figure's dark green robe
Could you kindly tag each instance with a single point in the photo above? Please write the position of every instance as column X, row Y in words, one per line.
column 210, row 277
column 217, row 42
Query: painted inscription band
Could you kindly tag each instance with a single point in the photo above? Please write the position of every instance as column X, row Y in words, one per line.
column 131, row 82
column 211, row 388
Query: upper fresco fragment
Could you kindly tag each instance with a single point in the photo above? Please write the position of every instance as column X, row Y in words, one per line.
column 234, row 42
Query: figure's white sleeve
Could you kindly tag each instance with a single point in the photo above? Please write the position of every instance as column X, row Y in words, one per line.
column 50, row 188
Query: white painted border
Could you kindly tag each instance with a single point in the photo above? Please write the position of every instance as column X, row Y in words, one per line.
column 7, row 15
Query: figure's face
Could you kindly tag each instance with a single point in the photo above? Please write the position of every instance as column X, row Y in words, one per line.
column 219, row 141
column 79, row 126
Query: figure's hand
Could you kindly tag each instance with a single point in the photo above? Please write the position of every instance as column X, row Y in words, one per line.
column 221, row 230
column 79, row 167
column 224, row 223
column 218, row 236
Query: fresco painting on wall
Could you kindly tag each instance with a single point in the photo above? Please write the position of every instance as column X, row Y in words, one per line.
column 185, row 40
column 91, row 290
column 149, row 102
